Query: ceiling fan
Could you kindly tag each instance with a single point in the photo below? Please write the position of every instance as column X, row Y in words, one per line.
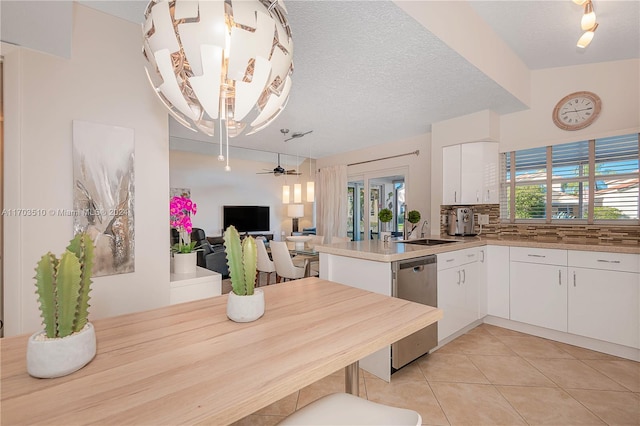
column 294, row 135
column 279, row 170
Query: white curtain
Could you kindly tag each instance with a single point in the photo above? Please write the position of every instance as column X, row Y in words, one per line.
column 332, row 202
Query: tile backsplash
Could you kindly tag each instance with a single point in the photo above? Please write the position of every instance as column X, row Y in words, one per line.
column 580, row 234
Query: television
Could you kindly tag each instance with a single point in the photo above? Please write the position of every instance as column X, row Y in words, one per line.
column 246, row 218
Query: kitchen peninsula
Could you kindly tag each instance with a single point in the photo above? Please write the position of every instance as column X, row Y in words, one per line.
column 510, row 283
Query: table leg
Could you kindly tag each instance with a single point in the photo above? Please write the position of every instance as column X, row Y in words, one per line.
column 352, row 379
column 307, row 268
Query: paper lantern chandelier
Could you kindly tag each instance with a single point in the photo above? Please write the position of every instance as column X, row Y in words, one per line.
column 219, row 66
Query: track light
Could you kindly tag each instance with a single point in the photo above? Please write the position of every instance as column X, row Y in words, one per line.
column 586, row 38
column 589, row 17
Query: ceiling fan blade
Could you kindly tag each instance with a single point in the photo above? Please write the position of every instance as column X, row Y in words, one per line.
column 293, row 172
column 297, row 135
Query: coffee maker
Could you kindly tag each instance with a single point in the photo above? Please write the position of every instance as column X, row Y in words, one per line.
column 460, row 221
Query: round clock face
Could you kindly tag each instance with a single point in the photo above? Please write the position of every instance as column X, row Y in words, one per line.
column 576, row 111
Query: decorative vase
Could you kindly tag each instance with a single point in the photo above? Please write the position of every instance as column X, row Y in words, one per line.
column 245, row 308
column 185, row 263
column 48, row 358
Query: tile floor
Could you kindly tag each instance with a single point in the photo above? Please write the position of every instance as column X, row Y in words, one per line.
column 495, row 376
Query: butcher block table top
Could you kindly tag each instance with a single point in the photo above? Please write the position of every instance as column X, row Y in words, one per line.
column 188, row 363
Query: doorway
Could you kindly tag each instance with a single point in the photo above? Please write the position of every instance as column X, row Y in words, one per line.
column 366, row 196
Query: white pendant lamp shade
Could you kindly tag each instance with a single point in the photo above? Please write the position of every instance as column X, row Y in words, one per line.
column 311, row 194
column 286, row 195
column 297, row 193
column 586, row 38
column 589, row 18
column 219, row 66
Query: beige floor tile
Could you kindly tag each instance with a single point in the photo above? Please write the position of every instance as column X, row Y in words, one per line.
column 444, row 367
column 259, row 420
column 413, row 395
column 583, row 353
column 481, row 344
column 409, row 373
column 548, row 406
column 502, row 332
column 625, row 372
column 475, row 404
column 614, row 408
column 574, row 374
column 328, row 385
column 480, row 329
column 534, row 347
column 283, row 407
column 509, row 370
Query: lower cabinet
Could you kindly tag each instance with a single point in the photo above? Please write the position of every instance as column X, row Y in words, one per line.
column 539, row 295
column 458, row 281
column 497, row 281
column 604, row 303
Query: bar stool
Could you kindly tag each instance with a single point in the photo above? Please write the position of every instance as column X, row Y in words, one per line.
column 347, row 409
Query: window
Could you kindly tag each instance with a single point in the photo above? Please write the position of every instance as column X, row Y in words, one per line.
column 585, row 181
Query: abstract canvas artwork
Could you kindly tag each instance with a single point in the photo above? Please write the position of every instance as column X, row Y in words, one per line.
column 103, row 193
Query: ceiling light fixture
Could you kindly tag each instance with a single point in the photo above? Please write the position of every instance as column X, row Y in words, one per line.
column 587, row 23
column 219, row 65
column 589, row 18
column 286, row 194
column 586, row 38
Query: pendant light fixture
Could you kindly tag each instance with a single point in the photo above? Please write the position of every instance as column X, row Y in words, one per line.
column 587, row 23
column 286, row 194
column 219, row 66
column 311, row 193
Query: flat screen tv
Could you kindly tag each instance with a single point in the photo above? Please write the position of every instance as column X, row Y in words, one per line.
column 246, row 218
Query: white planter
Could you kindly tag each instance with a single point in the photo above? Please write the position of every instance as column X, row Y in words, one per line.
column 185, row 263
column 245, row 308
column 48, row 358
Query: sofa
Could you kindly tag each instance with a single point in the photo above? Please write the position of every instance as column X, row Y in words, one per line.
column 210, row 256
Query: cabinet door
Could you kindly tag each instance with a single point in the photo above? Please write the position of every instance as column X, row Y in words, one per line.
column 538, row 294
column 451, row 174
column 471, row 284
column 471, row 178
column 451, row 299
column 498, row 281
column 490, row 173
column 604, row 305
column 483, row 298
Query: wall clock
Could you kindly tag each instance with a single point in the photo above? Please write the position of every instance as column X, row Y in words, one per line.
column 577, row 110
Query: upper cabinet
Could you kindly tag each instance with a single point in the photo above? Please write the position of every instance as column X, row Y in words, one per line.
column 470, row 173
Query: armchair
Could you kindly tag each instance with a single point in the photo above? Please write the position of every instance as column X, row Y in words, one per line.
column 210, row 257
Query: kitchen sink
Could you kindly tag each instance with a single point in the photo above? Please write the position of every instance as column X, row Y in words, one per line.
column 427, row 242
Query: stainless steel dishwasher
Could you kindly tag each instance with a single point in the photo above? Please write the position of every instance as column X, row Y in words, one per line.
column 415, row 280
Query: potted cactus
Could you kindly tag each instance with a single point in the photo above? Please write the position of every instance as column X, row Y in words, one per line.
column 245, row 303
column 68, row 341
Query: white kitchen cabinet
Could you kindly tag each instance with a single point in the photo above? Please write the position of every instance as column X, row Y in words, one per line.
column 458, row 281
column 497, row 277
column 604, row 291
column 538, row 287
column 470, row 173
column 482, row 281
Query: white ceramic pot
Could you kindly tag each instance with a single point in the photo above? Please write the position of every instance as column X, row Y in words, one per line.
column 48, row 358
column 245, row 308
column 185, row 263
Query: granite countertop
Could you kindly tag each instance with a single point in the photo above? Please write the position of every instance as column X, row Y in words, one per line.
column 392, row 251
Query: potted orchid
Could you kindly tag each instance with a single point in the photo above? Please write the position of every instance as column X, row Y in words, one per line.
column 181, row 209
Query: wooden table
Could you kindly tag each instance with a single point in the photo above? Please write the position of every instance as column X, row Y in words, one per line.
column 188, row 363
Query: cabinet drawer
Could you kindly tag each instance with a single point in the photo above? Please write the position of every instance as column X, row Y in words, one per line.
column 456, row 258
column 536, row 255
column 622, row 262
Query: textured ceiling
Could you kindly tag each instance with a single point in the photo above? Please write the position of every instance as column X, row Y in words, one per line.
column 366, row 73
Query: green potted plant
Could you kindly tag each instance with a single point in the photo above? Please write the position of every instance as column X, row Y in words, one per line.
column 68, row 341
column 245, row 303
column 184, row 252
column 413, row 217
column 384, row 216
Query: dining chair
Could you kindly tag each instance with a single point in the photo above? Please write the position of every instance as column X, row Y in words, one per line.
column 347, row 409
column 315, row 240
column 264, row 263
column 336, row 239
column 283, row 262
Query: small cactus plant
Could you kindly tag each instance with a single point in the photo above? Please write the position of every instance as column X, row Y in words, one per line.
column 242, row 259
column 63, row 287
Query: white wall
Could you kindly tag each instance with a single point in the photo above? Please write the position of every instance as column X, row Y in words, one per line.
column 212, row 187
column 103, row 82
column 417, row 180
column 617, row 83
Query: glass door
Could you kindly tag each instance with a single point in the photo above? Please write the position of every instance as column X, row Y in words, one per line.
column 355, row 209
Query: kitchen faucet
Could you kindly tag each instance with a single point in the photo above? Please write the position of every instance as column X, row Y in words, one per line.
column 422, row 229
